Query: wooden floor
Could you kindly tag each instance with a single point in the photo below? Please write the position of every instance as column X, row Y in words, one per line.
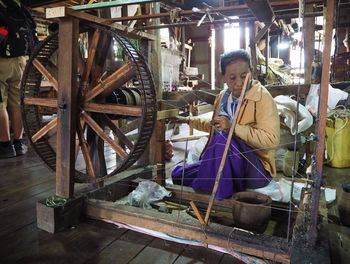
column 25, row 180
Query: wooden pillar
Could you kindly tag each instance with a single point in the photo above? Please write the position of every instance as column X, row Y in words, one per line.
column 267, row 50
column 67, row 106
column 242, row 38
column 155, row 65
column 252, row 46
column 219, row 51
column 309, row 43
column 321, row 127
column 212, row 56
column 155, row 53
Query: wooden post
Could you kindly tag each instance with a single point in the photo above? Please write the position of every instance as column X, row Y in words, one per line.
column 321, row 127
column 67, row 106
column 242, row 36
column 155, row 55
column 155, row 63
column 309, row 43
column 218, row 51
column 212, row 56
column 252, row 46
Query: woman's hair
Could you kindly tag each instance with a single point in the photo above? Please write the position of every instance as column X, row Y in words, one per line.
column 232, row 56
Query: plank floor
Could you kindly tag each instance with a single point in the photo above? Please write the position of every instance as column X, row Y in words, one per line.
column 25, row 180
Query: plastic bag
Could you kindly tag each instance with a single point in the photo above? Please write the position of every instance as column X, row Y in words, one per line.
column 334, row 96
column 287, row 108
column 146, row 193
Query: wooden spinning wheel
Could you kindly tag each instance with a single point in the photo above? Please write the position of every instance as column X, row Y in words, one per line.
column 111, row 133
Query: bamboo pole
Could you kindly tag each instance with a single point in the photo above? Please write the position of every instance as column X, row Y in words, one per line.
column 227, row 146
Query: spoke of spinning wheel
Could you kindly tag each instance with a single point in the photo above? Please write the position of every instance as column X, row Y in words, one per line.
column 91, row 55
column 85, row 150
column 130, row 126
column 117, row 131
column 112, row 82
column 48, row 102
column 77, row 145
column 114, row 109
column 44, row 130
column 41, row 68
column 102, row 134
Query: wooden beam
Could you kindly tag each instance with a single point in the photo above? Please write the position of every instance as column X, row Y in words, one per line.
column 112, row 82
column 271, row 248
column 100, row 132
column 41, row 68
column 121, row 136
column 85, row 150
column 41, row 101
column 124, row 30
column 132, row 125
column 291, row 89
column 262, row 32
column 309, row 44
column 253, row 49
column 164, row 114
column 67, row 106
column 44, row 130
column 91, row 55
column 321, row 126
column 114, row 109
column 262, row 10
column 109, row 4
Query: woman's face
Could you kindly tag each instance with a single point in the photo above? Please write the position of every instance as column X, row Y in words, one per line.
column 235, row 75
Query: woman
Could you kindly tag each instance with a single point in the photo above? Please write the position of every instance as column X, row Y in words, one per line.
column 251, row 159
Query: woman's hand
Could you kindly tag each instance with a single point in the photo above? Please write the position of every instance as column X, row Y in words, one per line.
column 221, row 123
column 169, row 153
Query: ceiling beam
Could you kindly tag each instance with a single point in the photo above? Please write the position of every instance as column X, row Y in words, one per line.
column 110, row 4
column 262, row 10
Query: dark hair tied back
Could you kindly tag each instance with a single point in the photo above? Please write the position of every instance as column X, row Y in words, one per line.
column 232, row 56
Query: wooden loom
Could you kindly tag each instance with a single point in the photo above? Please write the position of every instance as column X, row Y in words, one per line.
column 82, row 116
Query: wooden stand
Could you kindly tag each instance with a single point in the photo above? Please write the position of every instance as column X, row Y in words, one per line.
column 55, row 219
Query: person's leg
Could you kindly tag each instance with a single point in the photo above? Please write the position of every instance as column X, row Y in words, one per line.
column 6, row 147
column 16, row 121
column 4, row 118
column 14, row 105
column 242, row 168
column 4, row 126
column 210, row 163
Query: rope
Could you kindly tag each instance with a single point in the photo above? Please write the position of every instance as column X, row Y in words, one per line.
column 55, row 201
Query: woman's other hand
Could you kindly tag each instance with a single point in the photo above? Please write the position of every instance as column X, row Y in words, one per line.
column 169, row 153
column 221, row 123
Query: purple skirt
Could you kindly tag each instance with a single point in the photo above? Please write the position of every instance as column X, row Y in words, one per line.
column 242, row 169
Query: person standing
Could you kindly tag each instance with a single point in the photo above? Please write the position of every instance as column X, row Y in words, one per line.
column 17, row 39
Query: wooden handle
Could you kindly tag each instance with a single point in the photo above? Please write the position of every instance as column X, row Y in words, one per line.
column 197, row 213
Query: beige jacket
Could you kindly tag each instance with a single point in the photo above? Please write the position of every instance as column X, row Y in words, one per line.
column 258, row 124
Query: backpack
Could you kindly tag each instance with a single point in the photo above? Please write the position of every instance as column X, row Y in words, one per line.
column 20, row 25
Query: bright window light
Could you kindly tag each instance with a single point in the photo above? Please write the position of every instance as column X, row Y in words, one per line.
column 283, row 45
column 231, row 37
